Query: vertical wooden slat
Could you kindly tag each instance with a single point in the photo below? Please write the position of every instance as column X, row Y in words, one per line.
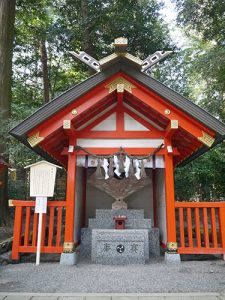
column 27, row 227
column 197, row 228
column 51, row 226
column 222, row 227
column 17, row 232
column 43, row 230
column 34, row 236
column 213, row 223
column 181, row 220
column 189, row 223
column 206, row 228
column 59, row 226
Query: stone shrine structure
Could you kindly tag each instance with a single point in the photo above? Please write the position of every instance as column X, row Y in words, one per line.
column 146, row 237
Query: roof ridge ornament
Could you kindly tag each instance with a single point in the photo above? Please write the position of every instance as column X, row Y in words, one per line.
column 87, row 59
column 153, row 59
column 120, row 45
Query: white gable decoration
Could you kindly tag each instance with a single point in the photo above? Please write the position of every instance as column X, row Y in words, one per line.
column 109, row 124
column 130, row 124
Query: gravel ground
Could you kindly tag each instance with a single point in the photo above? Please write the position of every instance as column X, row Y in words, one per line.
column 155, row 277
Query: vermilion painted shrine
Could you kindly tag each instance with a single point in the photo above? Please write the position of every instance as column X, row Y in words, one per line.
column 121, row 115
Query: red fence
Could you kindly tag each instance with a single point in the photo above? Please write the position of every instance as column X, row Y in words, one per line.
column 26, row 227
column 200, row 227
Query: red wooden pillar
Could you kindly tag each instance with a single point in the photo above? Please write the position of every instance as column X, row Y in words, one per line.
column 84, row 190
column 154, row 190
column 70, row 202
column 170, row 201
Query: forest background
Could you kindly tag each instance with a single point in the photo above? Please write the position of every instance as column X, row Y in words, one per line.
column 35, row 67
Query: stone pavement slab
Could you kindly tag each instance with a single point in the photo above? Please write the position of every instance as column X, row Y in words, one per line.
column 18, row 297
column 153, row 298
column 44, row 298
column 193, row 298
column 125, row 298
column 98, row 298
column 71, row 298
column 111, row 296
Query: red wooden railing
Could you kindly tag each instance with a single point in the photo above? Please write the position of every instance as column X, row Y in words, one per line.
column 200, row 227
column 26, row 226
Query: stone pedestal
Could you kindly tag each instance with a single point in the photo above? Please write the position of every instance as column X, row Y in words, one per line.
column 120, row 246
column 172, row 258
column 68, row 259
column 135, row 220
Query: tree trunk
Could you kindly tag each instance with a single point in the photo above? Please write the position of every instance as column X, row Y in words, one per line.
column 7, row 18
column 44, row 61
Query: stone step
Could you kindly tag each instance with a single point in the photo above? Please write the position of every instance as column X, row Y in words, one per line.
column 110, row 213
column 106, row 223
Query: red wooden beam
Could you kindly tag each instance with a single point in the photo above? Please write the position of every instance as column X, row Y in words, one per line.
column 148, row 114
column 54, row 154
column 157, row 103
column 156, row 116
column 84, row 118
column 52, row 125
column 88, row 100
column 120, row 113
column 69, row 129
column 131, row 151
column 171, row 129
column 120, row 135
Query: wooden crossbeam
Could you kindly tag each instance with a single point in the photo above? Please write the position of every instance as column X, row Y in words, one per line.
column 171, row 128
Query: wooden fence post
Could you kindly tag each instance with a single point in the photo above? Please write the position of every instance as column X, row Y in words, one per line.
column 17, row 232
column 222, row 229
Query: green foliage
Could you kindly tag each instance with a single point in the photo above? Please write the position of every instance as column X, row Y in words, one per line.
column 202, row 178
column 197, row 72
column 71, row 25
column 174, row 72
column 93, row 25
column 204, row 23
column 204, row 16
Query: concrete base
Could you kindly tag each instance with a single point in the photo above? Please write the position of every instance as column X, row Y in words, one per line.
column 68, row 259
column 171, row 258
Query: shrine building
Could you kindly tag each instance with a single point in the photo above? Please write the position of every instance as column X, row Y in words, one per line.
column 120, row 134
